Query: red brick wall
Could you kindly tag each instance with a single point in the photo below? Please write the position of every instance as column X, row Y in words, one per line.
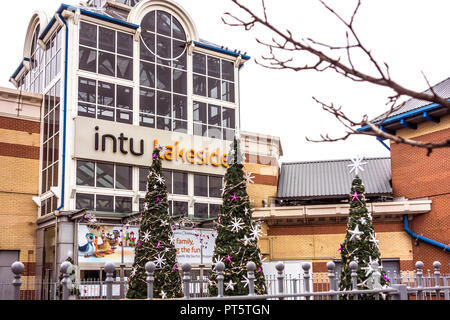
column 414, row 175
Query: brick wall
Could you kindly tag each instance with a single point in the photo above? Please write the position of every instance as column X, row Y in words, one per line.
column 19, row 178
column 414, row 175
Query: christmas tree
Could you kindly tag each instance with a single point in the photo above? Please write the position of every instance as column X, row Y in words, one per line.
column 237, row 233
column 156, row 241
column 360, row 244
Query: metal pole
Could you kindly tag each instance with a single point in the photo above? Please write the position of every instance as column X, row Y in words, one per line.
column 354, row 266
column 220, row 267
column 280, row 277
column 331, row 266
column 437, row 278
column 306, row 266
column 149, row 270
column 109, row 269
column 419, row 266
column 17, row 268
column 251, row 267
column 186, row 267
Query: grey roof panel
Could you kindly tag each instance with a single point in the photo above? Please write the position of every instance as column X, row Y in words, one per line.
column 442, row 89
column 332, row 178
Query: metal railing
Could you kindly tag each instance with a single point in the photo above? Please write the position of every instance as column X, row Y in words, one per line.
column 405, row 285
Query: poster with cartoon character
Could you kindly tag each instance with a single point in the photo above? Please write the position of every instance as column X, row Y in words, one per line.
column 106, row 243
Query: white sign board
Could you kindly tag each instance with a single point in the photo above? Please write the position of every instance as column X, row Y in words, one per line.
column 194, row 246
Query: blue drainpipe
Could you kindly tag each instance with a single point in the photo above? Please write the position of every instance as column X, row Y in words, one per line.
column 65, row 116
column 416, row 236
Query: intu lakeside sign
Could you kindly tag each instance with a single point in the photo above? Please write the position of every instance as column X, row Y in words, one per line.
column 123, row 143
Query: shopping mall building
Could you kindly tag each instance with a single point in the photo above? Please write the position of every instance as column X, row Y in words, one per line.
column 115, row 78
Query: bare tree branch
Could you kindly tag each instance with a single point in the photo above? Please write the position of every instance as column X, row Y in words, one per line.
column 284, row 41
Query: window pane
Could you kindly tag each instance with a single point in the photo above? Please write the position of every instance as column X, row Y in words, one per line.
column 146, row 120
column 147, row 101
column 124, row 177
column 227, row 70
column 178, row 31
column 180, row 126
column 228, row 91
column 180, row 208
column 228, row 134
column 199, row 85
column 201, row 210
column 141, row 205
column 199, row 63
column 164, row 78
column 124, row 116
column 179, row 81
column 228, row 118
column 105, row 94
column 163, row 50
column 106, row 63
column 124, row 68
column 164, row 124
column 179, row 52
column 200, row 130
column 180, row 183
column 143, row 173
column 163, row 23
column 167, row 175
column 86, row 90
column 123, row 204
column 88, row 34
column 148, row 46
column 214, row 88
column 88, row 59
column 125, row 44
column 214, row 132
column 200, row 112
column 104, row 203
column 105, row 113
column 200, row 185
column 214, row 210
column 107, row 39
column 214, row 115
column 147, row 74
column 124, row 97
column 213, row 67
column 215, row 184
column 86, row 110
column 105, row 175
column 163, row 103
column 84, row 201
column 179, row 107
column 148, row 22
column 85, row 173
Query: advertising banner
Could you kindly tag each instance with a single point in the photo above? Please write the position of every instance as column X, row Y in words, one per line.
column 106, row 243
column 195, row 246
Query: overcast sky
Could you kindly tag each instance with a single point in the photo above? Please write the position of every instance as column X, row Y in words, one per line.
column 409, row 35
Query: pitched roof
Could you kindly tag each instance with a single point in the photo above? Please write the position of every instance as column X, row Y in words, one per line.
column 331, row 178
column 442, row 89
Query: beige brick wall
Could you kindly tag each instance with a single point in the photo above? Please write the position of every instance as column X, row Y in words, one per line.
column 324, row 247
column 19, row 175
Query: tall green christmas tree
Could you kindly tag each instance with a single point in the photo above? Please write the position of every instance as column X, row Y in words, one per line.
column 156, row 241
column 360, row 244
column 237, row 233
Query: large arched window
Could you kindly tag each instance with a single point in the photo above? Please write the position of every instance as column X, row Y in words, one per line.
column 163, row 77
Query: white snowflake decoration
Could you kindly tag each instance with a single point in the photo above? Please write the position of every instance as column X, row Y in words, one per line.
column 357, row 165
column 164, row 223
column 256, row 232
column 172, row 239
column 133, row 272
column 236, row 225
column 146, row 236
column 160, row 261
column 247, row 240
column 163, row 294
column 246, row 211
column 373, row 239
column 159, row 179
column 248, row 177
